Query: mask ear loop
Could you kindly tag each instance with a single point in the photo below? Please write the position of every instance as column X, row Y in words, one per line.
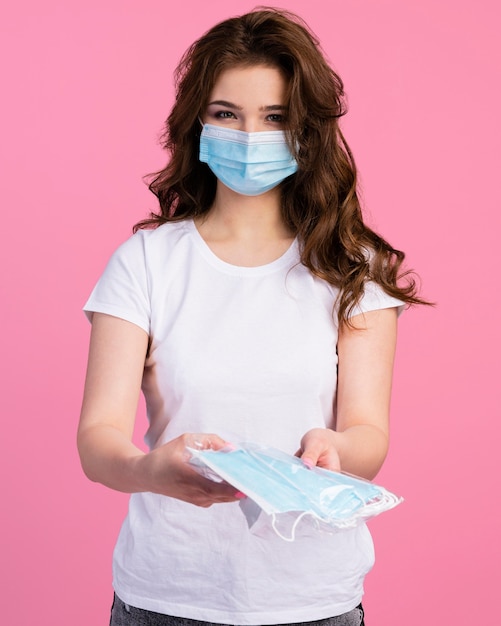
column 294, row 526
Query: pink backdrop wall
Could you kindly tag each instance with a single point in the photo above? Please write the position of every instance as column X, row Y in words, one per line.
column 86, row 86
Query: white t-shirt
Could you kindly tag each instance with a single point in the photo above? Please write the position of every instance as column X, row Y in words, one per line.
column 248, row 353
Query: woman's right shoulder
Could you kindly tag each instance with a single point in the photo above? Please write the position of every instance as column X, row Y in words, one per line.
column 148, row 241
column 164, row 233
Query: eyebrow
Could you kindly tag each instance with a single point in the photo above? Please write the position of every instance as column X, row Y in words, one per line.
column 230, row 105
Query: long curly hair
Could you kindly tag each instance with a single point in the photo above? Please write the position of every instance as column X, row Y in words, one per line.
column 319, row 202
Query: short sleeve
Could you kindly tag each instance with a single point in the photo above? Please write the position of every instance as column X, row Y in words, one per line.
column 374, row 299
column 122, row 290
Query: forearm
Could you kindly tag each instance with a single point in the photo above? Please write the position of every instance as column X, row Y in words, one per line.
column 362, row 449
column 109, row 457
column 365, row 369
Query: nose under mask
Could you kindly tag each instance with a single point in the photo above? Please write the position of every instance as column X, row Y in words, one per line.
column 247, row 163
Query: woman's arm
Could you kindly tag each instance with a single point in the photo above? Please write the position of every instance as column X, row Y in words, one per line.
column 360, row 442
column 113, row 383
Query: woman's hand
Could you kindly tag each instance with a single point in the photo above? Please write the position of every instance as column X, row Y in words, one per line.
column 318, row 448
column 166, row 470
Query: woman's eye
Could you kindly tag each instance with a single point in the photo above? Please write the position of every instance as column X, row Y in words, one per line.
column 276, row 118
column 224, row 115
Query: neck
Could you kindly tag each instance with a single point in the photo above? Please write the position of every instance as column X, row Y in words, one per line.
column 243, row 230
column 246, row 217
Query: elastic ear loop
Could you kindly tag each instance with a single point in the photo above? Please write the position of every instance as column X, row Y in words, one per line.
column 294, row 526
column 300, row 517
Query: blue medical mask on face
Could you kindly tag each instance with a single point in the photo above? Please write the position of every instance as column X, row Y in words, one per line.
column 248, row 163
column 282, row 487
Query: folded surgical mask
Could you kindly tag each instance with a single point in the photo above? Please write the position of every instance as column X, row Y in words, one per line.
column 248, row 163
column 289, row 493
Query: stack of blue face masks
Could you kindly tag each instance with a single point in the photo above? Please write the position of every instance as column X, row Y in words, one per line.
column 282, row 487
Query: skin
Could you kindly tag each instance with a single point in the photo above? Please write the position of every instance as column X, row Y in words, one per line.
column 246, row 231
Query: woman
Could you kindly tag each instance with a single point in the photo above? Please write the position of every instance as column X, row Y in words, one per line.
column 256, row 306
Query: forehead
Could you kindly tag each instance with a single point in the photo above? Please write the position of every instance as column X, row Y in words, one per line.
column 258, row 85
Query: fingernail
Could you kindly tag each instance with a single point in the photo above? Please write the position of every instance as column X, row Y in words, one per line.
column 308, row 462
column 240, row 495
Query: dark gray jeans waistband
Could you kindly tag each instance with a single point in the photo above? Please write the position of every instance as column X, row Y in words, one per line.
column 124, row 615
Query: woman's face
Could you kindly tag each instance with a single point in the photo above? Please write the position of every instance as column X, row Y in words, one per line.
column 251, row 99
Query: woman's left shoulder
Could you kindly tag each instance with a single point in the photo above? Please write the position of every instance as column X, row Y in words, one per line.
column 375, row 298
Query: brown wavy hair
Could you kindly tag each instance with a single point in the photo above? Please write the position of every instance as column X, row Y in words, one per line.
column 319, row 202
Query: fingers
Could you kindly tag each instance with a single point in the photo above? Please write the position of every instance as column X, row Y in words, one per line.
column 201, row 441
column 204, row 441
column 313, row 447
column 318, row 449
column 332, row 462
column 308, row 456
column 209, row 493
column 171, row 474
column 326, row 457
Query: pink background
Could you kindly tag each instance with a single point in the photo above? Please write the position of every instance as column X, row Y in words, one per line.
column 86, row 86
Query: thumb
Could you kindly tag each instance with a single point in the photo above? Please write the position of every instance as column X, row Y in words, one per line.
column 317, row 449
column 311, row 452
column 206, row 441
